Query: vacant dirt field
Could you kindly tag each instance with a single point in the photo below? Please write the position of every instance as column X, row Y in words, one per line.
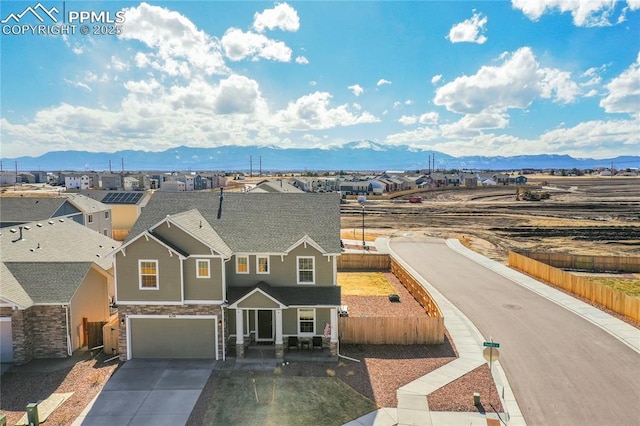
column 582, row 216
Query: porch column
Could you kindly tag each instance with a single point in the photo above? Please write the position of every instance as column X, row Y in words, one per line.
column 278, row 343
column 239, row 333
column 333, row 343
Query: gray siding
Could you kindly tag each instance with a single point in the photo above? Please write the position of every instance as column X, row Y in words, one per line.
column 203, row 288
column 181, row 239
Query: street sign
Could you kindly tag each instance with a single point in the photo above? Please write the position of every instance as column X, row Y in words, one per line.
column 491, row 354
column 491, row 345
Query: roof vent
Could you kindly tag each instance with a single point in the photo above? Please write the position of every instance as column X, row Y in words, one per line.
column 39, row 225
column 13, row 230
column 61, row 220
column 50, row 222
column 27, row 227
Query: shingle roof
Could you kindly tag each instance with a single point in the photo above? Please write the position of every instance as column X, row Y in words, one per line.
column 29, row 209
column 250, row 223
column 56, row 241
column 291, row 296
column 49, row 282
column 86, row 204
column 194, row 223
column 11, row 290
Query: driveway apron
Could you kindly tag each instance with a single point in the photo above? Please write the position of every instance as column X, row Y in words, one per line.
column 149, row 392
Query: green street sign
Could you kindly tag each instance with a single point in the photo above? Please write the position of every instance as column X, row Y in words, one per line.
column 491, row 345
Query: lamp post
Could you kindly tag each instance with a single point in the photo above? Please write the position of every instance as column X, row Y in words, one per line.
column 364, row 246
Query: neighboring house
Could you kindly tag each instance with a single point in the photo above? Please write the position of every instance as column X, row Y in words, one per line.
column 271, row 186
column 199, row 273
column 173, row 186
column 356, row 188
column 131, row 183
column 78, row 182
column 83, row 210
column 125, row 206
column 111, row 181
column 7, row 178
column 518, row 180
column 56, row 276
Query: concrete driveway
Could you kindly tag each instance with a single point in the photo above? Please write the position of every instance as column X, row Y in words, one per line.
column 149, row 392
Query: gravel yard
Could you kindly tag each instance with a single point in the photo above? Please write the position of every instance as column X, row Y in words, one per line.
column 37, row 380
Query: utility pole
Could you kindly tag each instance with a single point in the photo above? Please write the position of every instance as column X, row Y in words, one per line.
column 260, row 172
column 364, row 246
column 109, row 166
column 16, row 177
column 251, row 166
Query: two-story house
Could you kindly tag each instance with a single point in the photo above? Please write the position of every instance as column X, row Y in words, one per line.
column 200, row 272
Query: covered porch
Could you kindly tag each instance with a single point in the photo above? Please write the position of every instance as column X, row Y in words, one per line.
column 283, row 323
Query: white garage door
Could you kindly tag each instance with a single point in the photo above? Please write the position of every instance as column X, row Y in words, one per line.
column 173, row 337
column 6, row 340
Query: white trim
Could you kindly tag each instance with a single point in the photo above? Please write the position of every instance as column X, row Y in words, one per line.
column 164, row 316
column 261, row 256
column 90, row 218
column 169, row 220
column 234, row 305
column 238, row 256
column 115, row 280
column 306, row 240
column 208, row 262
column 140, row 287
column 315, row 317
column 335, row 270
column 146, row 235
column 203, row 302
column 313, row 270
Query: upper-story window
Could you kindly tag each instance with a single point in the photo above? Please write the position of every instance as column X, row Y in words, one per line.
column 306, row 270
column 90, row 218
column 242, row 264
column 203, row 268
column 262, row 264
column 148, row 274
column 106, row 214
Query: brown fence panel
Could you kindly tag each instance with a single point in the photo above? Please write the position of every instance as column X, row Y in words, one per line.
column 110, row 334
column 354, row 262
column 391, row 330
column 608, row 297
column 587, row 263
column 94, row 334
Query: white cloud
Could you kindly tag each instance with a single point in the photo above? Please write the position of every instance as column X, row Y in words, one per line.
column 239, row 45
column 237, row 94
column 436, row 78
column 312, row 112
column 78, row 84
column 356, row 89
column 624, row 91
column 473, row 124
column 408, row 102
column 313, row 83
column 408, row 119
column 397, row 104
column 415, row 138
column 429, row 118
column 282, row 17
column 469, row 31
column 514, row 84
column 118, row 64
column 302, row 60
column 179, row 45
column 382, row 82
column 585, row 13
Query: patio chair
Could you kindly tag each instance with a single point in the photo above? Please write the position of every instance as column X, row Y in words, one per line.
column 293, row 342
column 317, row 343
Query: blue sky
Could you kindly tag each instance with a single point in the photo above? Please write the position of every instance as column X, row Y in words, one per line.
column 464, row 78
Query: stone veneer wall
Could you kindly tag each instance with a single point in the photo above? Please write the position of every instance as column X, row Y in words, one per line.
column 38, row 332
column 124, row 310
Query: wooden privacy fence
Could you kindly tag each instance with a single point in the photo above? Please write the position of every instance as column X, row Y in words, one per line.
column 354, row 262
column 110, row 334
column 587, row 263
column 615, row 300
column 120, row 234
column 391, row 330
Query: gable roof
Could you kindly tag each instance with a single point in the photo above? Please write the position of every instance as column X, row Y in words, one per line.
column 275, row 186
column 49, row 282
column 86, row 204
column 194, row 223
column 11, row 290
column 29, row 209
column 254, row 223
column 57, row 240
column 290, row 296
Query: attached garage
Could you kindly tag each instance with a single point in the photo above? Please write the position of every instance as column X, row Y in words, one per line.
column 179, row 336
column 6, row 340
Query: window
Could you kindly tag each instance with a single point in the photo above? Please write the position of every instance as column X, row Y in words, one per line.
column 262, row 264
column 148, row 271
column 90, row 219
column 202, row 268
column 306, row 273
column 242, row 264
column 106, row 232
column 106, row 215
column 306, row 321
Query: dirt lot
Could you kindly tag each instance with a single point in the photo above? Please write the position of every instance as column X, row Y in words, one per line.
column 582, row 216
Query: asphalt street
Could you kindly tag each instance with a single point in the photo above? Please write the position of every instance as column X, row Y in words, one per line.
column 562, row 368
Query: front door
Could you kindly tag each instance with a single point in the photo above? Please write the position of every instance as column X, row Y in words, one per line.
column 265, row 326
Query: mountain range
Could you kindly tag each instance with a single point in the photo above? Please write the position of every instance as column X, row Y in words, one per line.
column 354, row 156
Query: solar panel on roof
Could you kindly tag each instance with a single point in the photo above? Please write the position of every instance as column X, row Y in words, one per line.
column 122, row 198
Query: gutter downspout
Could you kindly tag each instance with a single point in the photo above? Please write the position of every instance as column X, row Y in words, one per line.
column 68, row 334
column 222, row 306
